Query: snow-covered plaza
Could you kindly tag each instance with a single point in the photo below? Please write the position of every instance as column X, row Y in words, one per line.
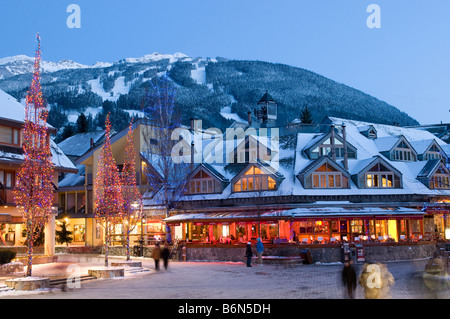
column 224, row 280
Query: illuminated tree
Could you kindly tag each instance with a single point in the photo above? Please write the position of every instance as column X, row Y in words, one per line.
column 168, row 178
column 34, row 189
column 107, row 190
column 130, row 192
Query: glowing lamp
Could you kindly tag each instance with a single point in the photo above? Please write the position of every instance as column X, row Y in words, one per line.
column 447, row 233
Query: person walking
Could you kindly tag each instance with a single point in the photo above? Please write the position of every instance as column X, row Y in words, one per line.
column 259, row 250
column 349, row 278
column 156, row 255
column 165, row 253
column 249, row 254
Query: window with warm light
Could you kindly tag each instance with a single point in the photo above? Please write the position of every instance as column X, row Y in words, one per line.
column 254, row 180
column 381, row 177
column 440, row 180
column 327, row 176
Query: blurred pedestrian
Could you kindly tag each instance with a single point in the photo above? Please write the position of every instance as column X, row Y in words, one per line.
column 349, row 278
column 376, row 281
column 165, row 253
column 259, row 250
column 249, row 254
column 435, row 274
column 156, row 255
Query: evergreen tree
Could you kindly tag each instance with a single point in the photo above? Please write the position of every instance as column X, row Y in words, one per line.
column 56, row 116
column 306, row 116
column 82, row 123
column 64, row 235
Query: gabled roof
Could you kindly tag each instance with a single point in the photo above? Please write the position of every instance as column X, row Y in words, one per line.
column 266, row 98
column 319, row 139
column 114, row 138
column 10, row 108
column 371, row 162
column 209, row 169
column 430, row 168
column 79, row 144
column 423, row 146
column 386, row 144
column 314, row 165
column 265, row 167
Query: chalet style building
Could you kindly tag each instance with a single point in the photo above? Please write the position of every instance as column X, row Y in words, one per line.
column 338, row 181
column 12, row 115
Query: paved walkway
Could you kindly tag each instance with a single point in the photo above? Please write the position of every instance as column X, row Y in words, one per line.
column 216, row 280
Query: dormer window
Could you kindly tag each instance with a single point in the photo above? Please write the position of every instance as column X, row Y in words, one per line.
column 324, row 173
column 327, row 176
column 440, row 180
column 201, row 183
column 254, row 179
column 403, row 153
column 250, row 150
column 433, row 153
column 379, row 176
column 325, row 148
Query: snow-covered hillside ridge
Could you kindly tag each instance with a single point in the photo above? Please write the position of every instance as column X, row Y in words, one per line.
column 217, row 90
column 22, row 64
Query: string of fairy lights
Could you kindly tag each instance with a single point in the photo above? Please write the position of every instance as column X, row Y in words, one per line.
column 114, row 192
column 34, row 189
column 130, row 192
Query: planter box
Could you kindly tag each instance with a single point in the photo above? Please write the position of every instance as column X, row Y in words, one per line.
column 106, row 272
column 28, row 283
column 129, row 263
column 11, row 268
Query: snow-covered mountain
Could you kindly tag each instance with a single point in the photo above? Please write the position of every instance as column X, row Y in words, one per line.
column 218, row 90
column 22, row 64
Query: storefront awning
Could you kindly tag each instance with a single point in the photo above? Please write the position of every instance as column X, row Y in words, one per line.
column 5, row 218
column 356, row 213
column 297, row 214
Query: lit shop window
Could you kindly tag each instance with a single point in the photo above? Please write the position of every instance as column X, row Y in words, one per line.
column 253, row 180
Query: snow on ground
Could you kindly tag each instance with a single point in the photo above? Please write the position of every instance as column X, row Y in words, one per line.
column 226, row 112
column 199, row 75
column 120, row 87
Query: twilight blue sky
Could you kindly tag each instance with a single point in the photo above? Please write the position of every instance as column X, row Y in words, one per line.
column 405, row 63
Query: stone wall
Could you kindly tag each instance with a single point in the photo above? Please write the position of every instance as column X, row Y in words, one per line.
column 319, row 253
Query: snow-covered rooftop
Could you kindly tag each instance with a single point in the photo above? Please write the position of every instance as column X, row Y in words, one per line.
column 293, row 160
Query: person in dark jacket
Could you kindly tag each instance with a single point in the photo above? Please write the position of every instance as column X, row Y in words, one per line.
column 156, row 254
column 349, row 278
column 249, row 254
column 165, row 253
